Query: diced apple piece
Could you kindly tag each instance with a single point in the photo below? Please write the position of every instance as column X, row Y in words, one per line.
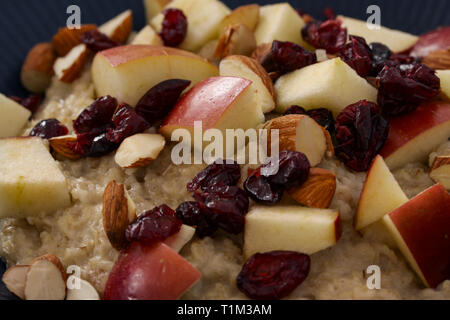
column 247, row 68
column 139, row 150
column 291, row 228
column 85, row 292
column 421, row 229
column 397, row 41
column 444, row 75
column 330, row 84
column 150, row 273
column 440, row 173
column 248, row 15
column 128, row 72
column 14, row 278
column 119, row 28
column 204, row 18
column 31, row 183
column 180, row 239
column 414, row 136
column 381, row 194
column 148, row 36
column 280, row 22
column 218, row 102
column 237, row 39
column 13, row 117
column 154, row 7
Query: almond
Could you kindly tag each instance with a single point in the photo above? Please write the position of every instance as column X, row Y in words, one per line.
column 440, row 172
column 207, row 51
column 119, row 28
column 46, row 279
column 14, row 279
column 69, row 68
column 37, row 70
column 237, row 39
column 330, row 146
column 85, row 292
column 248, row 15
column 66, row 39
column 262, row 53
column 318, row 191
column 119, row 211
column 438, row 60
column 62, row 146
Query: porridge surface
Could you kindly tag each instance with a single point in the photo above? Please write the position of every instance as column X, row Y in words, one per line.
column 76, row 234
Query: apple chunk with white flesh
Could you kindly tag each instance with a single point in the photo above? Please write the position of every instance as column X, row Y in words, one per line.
column 85, row 292
column 381, row 194
column 180, row 239
column 331, row 84
column 219, row 103
column 421, row 229
column 444, row 76
column 150, row 273
column 204, row 20
column 148, row 36
column 414, row 136
column 154, row 7
column 13, row 117
column 397, row 41
column 31, row 182
column 128, row 72
column 291, row 228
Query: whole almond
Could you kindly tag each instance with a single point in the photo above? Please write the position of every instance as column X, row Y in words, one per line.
column 63, row 146
column 37, row 70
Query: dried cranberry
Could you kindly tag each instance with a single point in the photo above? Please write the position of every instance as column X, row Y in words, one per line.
column 97, row 117
column 100, row 146
column 293, row 169
column 403, row 88
column 357, row 55
column 174, row 27
column 156, row 104
column 97, row 41
column 329, row 13
column 380, row 55
column 322, row 116
column 289, row 56
column 295, row 110
column 50, row 128
column 361, row 132
column 262, row 191
column 227, row 207
column 273, row 275
column 398, row 58
column 328, row 35
column 194, row 214
column 216, row 174
column 126, row 123
column 32, row 102
column 153, row 226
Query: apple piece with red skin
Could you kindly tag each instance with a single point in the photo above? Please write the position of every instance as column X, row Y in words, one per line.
column 421, row 229
column 432, row 41
column 414, row 136
column 150, row 273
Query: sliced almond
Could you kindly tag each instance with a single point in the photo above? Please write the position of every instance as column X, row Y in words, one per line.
column 85, row 292
column 62, row 146
column 208, row 50
column 69, row 68
column 330, row 146
column 237, row 39
column 300, row 133
column 14, row 278
column 438, row 60
column 46, row 279
column 318, row 191
column 440, row 172
column 37, row 70
column 139, row 150
column 66, row 39
column 148, row 36
column 119, row 211
column 262, row 53
column 119, row 28
column 248, row 15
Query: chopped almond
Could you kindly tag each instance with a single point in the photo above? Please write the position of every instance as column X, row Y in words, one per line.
column 37, row 71
column 69, row 68
column 119, row 28
column 66, row 39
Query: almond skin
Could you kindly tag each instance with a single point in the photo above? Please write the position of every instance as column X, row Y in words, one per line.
column 69, row 68
column 66, row 38
column 54, row 260
column 438, row 60
column 237, row 39
column 318, row 191
column 440, row 161
column 61, row 145
column 287, row 126
column 37, row 70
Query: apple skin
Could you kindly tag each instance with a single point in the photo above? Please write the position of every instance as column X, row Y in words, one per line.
column 432, row 41
column 424, row 226
column 150, row 273
column 413, row 136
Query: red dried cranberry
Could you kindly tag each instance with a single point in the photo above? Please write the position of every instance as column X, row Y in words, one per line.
column 97, row 117
column 357, row 55
column 50, row 128
column 398, row 58
column 273, row 275
column 361, row 132
column 219, row 173
column 126, row 124
column 380, row 55
column 289, row 56
column 295, row 110
column 403, row 88
column 156, row 104
column 32, row 102
column 97, row 41
column 329, row 13
column 93, row 145
column 226, row 207
column 322, row 116
column 194, row 214
column 153, row 226
column 293, row 169
column 262, row 191
column 174, row 27
column 328, row 35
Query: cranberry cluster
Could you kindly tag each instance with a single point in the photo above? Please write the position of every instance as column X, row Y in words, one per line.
column 328, row 35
